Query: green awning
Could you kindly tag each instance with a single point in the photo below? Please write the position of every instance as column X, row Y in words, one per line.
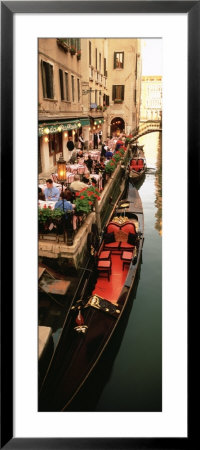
column 85, row 122
column 59, row 126
column 99, row 121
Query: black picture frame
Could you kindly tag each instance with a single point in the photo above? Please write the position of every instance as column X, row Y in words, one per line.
column 8, row 9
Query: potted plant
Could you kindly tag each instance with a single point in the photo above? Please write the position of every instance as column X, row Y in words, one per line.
column 78, row 54
column 72, row 50
column 99, row 108
column 63, row 44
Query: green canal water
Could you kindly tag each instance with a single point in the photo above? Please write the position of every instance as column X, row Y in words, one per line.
column 129, row 375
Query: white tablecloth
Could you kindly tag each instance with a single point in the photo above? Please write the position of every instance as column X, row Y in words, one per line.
column 46, row 204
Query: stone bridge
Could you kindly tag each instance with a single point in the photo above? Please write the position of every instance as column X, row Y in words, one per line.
column 150, row 126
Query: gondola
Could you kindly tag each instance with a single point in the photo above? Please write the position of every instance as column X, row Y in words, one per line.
column 101, row 300
column 137, row 167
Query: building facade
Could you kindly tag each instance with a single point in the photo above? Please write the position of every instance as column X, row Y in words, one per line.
column 124, row 68
column 86, row 86
column 151, row 98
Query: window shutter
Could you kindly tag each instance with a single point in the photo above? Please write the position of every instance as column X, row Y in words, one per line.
column 107, row 100
column 122, row 93
column 61, row 84
column 114, row 60
column 113, row 92
column 43, row 79
column 123, row 59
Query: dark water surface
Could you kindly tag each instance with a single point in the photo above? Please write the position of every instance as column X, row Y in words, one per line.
column 129, row 375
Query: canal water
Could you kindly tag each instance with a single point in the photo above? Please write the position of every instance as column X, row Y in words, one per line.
column 129, row 375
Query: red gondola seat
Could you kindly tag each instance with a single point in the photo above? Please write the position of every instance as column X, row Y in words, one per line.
column 126, row 258
column 104, row 255
column 104, row 266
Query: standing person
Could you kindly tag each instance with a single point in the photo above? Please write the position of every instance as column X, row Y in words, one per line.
column 70, row 144
column 81, row 140
column 103, row 149
column 95, row 140
column 100, row 137
column 51, row 192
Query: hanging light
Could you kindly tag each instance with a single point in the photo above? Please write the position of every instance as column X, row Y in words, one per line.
column 73, row 132
column 59, row 129
column 95, row 122
column 46, row 139
column 66, row 135
column 46, row 131
column 61, row 169
column 79, row 124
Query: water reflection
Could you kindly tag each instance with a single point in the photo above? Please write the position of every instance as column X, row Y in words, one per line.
column 153, row 152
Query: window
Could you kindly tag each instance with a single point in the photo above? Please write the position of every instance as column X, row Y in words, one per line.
column 118, row 60
column 66, row 87
column 61, row 84
column 90, row 53
column 96, row 58
column 105, row 73
column 72, row 87
column 105, row 100
column 96, row 96
column 64, row 91
column 47, row 79
column 78, row 89
column 118, row 93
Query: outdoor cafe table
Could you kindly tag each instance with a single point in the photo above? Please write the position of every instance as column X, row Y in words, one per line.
column 77, row 168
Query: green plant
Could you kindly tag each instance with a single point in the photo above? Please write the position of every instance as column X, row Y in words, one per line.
column 72, row 50
column 48, row 214
column 117, row 156
column 111, row 166
column 86, row 198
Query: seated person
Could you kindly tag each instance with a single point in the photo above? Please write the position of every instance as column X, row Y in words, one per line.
column 109, row 154
column 89, row 163
column 86, row 178
column 41, row 195
column 77, row 185
column 63, row 204
column 94, row 182
column 69, row 195
column 99, row 165
column 51, row 193
column 80, row 153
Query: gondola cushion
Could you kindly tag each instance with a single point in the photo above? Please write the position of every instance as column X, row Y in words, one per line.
column 126, row 246
column 109, row 237
column 112, row 227
column 132, row 238
column 128, row 228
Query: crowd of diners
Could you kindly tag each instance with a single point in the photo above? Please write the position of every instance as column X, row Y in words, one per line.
column 64, row 199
